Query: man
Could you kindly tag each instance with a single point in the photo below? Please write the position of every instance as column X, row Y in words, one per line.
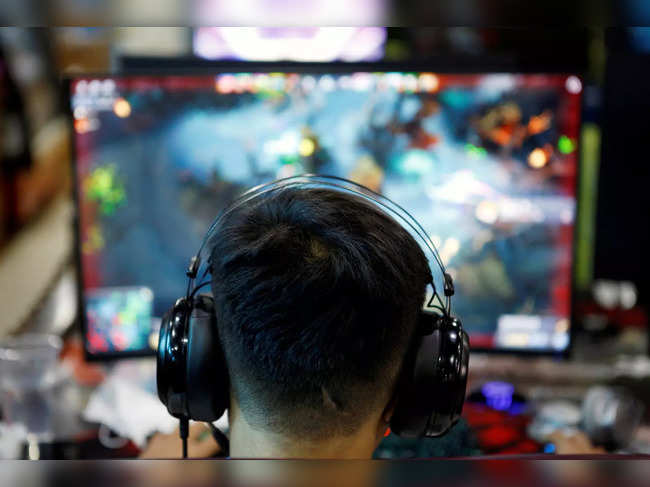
column 317, row 296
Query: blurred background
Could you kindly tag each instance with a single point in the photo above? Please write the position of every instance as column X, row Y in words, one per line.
column 69, row 392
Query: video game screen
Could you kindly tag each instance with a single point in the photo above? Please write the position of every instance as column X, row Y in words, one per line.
column 485, row 162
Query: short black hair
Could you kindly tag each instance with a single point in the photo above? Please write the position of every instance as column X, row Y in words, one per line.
column 317, row 295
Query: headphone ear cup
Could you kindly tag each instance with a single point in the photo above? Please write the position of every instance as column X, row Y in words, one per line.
column 433, row 390
column 171, row 358
column 414, row 401
column 208, row 392
column 451, row 377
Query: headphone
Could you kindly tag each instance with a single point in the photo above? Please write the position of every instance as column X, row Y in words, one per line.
column 192, row 376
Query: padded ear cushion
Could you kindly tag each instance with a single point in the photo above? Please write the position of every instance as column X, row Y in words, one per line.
column 207, row 376
column 451, row 377
column 432, row 392
column 414, row 402
column 172, row 354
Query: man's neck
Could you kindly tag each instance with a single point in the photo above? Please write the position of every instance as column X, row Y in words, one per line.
column 247, row 442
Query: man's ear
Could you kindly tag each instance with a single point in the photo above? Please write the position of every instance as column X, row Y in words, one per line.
column 385, row 418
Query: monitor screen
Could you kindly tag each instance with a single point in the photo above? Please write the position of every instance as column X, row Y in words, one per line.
column 485, row 162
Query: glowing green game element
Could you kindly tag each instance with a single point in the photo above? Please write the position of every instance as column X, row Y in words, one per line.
column 475, row 151
column 103, row 187
column 565, row 145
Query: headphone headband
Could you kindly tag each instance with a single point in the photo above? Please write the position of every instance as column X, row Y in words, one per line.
column 193, row 378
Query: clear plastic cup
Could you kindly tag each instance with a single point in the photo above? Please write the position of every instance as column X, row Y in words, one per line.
column 28, row 365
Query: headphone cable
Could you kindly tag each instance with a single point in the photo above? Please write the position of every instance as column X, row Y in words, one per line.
column 184, row 429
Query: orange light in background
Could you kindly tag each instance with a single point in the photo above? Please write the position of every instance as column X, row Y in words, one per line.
column 537, row 159
column 122, row 108
column 81, row 125
column 539, row 123
column 226, row 83
column 501, row 136
column 428, row 82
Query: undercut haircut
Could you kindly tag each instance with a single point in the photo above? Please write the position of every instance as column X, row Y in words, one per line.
column 317, row 296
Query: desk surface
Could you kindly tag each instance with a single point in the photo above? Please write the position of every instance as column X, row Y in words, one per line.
column 512, row 471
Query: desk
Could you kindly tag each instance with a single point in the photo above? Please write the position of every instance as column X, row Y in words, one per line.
column 505, row 472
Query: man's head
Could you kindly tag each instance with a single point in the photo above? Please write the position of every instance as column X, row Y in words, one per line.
column 317, row 297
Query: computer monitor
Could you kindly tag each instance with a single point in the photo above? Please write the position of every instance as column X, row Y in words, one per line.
column 485, row 161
